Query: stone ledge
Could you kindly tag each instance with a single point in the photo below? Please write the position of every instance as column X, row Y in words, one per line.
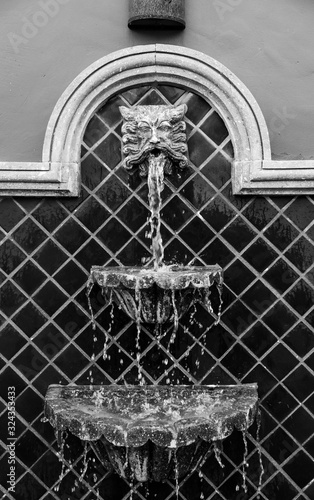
column 39, row 179
column 273, row 177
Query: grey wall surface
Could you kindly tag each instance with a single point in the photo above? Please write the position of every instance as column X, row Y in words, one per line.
column 45, row 44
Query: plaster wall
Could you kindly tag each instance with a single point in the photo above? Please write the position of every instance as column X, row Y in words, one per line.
column 44, row 44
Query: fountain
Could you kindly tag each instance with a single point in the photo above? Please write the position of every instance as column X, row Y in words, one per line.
column 152, row 432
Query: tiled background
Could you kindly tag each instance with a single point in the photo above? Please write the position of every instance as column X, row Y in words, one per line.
column 265, row 246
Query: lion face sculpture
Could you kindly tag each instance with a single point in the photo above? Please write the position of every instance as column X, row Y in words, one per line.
column 154, row 130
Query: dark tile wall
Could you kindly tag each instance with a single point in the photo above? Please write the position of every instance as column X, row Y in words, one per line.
column 264, row 244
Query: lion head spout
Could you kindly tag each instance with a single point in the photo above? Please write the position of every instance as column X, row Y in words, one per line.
column 154, row 130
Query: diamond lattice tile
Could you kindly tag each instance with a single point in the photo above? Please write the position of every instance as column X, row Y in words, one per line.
column 264, row 244
column 10, row 256
column 50, row 214
column 11, row 214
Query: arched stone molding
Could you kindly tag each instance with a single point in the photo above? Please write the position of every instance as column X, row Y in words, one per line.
column 253, row 169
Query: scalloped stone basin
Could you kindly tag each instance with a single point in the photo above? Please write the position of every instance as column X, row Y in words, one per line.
column 156, row 296
column 151, row 432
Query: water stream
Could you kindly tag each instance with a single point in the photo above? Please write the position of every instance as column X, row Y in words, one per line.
column 108, row 330
column 218, row 451
column 138, row 334
column 61, row 437
column 176, row 473
column 85, row 462
column 155, row 182
column 245, row 462
column 261, row 465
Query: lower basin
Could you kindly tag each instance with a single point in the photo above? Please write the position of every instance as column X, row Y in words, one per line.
column 151, row 432
column 158, row 295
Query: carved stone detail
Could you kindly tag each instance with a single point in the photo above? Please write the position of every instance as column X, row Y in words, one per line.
column 152, row 130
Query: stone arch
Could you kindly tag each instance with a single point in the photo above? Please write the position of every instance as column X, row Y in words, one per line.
column 253, row 170
column 164, row 64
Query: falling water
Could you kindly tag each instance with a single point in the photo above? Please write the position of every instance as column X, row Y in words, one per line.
column 176, row 472
column 61, row 436
column 219, row 288
column 138, row 334
column 131, row 484
column 109, row 329
column 217, row 451
column 175, row 320
column 155, row 181
column 175, row 312
column 126, row 461
column 89, row 287
column 244, row 463
column 261, row 466
column 90, row 373
column 85, row 462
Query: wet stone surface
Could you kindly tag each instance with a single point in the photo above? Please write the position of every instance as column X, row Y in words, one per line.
column 151, row 431
column 157, row 296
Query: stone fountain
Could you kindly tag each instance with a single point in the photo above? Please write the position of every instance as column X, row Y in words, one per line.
column 152, row 432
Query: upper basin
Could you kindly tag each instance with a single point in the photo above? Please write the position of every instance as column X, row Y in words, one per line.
column 158, row 295
column 141, row 429
column 166, row 277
